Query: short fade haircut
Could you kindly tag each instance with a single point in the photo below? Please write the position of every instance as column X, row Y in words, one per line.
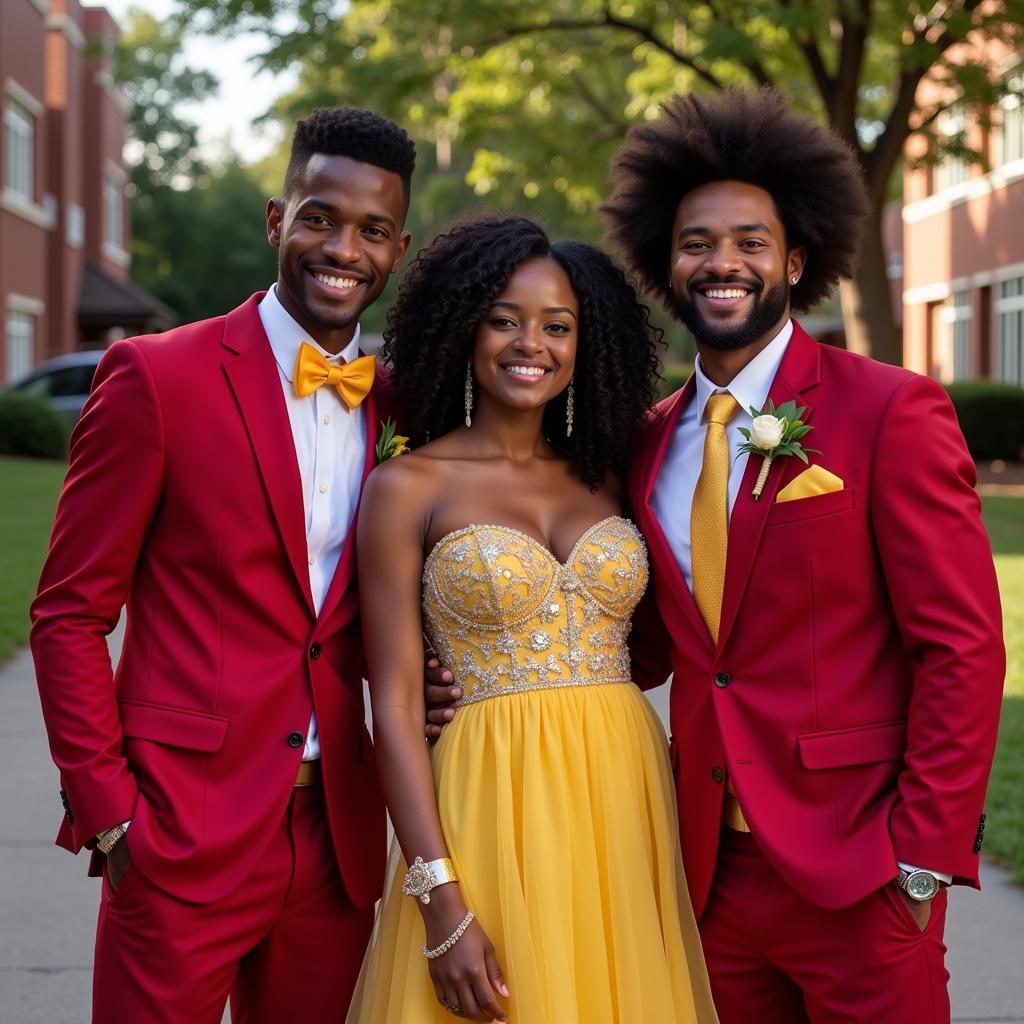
column 362, row 135
column 738, row 135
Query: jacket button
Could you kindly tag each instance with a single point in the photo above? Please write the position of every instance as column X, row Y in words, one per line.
column 722, row 680
column 717, row 774
column 314, row 651
column 296, row 739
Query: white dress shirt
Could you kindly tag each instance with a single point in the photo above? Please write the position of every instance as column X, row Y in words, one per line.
column 330, row 446
column 672, row 496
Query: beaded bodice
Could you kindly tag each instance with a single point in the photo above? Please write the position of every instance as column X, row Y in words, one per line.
column 506, row 616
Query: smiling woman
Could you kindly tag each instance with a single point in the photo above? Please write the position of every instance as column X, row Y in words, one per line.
column 531, row 365
column 453, row 309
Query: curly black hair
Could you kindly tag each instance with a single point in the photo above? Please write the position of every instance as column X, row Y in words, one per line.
column 738, row 135
column 445, row 296
column 359, row 134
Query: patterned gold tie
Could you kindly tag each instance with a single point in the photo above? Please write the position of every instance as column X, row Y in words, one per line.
column 709, row 529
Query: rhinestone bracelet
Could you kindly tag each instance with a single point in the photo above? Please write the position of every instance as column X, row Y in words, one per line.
column 433, row 954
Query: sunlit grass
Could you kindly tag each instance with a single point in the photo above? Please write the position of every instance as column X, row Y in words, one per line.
column 1004, row 834
column 28, row 495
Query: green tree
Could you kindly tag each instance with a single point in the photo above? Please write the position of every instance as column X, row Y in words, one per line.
column 198, row 237
column 532, row 96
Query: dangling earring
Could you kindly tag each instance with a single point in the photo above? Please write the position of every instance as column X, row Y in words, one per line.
column 570, row 403
column 469, row 394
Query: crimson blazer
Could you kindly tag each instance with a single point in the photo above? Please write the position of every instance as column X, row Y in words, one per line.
column 183, row 501
column 854, row 693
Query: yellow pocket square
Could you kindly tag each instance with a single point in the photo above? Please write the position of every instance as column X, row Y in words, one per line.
column 813, row 480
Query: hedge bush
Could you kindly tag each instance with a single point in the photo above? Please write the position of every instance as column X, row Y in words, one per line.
column 30, row 426
column 991, row 416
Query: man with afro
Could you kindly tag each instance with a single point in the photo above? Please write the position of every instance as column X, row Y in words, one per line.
column 223, row 777
column 835, row 633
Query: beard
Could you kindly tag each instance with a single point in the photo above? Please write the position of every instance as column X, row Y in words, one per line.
column 768, row 309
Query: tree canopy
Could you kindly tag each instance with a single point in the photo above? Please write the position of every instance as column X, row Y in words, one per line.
column 522, row 102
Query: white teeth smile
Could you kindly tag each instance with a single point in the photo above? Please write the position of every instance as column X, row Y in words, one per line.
column 526, row 371
column 725, row 293
column 337, row 282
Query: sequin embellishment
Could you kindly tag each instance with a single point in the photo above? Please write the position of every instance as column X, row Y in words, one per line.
column 508, row 617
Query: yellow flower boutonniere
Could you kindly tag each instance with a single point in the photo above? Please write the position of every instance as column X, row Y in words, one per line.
column 775, row 432
column 389, row 443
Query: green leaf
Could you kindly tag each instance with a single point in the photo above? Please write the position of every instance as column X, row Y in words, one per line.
column 801, row 432
column 799, row 453
column 787, row 411
column 745, row 432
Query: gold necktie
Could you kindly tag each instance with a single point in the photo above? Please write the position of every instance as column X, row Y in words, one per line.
column 353, row 380
column 709, row 516
column 709, row 541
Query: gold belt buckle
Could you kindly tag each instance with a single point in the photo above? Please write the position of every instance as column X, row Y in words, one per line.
column 732, row 815
column 309, row 774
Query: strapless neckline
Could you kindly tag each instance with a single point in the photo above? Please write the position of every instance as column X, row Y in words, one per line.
column 473, row 527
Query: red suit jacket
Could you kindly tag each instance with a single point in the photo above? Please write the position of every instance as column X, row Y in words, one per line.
column 854, row 693
column 183, row 500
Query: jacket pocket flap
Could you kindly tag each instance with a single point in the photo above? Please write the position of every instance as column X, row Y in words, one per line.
column 177, row 727
column 864, row 744
column 811, row 507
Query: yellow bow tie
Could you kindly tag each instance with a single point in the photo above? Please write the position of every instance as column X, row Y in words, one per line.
column 353, row 380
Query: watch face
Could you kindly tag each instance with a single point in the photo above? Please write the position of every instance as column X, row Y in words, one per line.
column 922, row 886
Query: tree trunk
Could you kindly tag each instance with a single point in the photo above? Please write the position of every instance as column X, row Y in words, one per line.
column 867, row 301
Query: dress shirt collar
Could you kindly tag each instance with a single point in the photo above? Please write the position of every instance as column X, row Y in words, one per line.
column 285, row 335
column 751, row 385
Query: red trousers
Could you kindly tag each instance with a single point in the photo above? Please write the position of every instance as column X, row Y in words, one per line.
column 774, row 958
column 286, row 944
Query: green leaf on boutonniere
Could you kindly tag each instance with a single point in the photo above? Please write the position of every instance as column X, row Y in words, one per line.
column 774, row 433
column 389, row 442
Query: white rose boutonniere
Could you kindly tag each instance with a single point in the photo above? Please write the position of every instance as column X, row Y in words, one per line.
column 775, row 432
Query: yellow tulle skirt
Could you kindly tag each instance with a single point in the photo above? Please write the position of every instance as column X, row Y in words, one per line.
column 559, row 813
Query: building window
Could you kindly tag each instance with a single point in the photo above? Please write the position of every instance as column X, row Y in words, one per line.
column 952, row 169
column 19, row 128
column 1011, row 132
column 75, row 235
column 1010, row 331
column 113, row 212
column 20, row 344
column 961, row 331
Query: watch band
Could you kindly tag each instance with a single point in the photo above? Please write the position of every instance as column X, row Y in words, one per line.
column 109, row 838
column 423, row 876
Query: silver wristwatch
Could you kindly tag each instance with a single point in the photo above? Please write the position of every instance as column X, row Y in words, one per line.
column 918, row 885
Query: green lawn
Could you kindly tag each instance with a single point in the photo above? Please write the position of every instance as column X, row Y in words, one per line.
column 1004, row 833
column 28, row 492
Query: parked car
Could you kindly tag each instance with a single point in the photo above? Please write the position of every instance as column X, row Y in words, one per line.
column 64, row 381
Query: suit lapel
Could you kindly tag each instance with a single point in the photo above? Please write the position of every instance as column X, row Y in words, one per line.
column 660, row 549
column 798, row 372
column 253, row 377
column 346, row 567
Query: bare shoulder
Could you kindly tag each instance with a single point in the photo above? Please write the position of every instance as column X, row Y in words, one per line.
column 401, row 478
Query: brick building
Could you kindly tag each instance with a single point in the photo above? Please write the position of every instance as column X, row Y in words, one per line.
column 64, row 265
column 963, row 250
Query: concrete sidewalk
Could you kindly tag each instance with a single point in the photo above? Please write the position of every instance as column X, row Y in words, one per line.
column 48, row 905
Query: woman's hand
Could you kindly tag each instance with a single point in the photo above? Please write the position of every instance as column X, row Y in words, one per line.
column 467, row 979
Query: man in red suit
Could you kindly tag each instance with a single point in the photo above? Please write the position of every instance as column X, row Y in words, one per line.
column 835, row 641
column 222, row 775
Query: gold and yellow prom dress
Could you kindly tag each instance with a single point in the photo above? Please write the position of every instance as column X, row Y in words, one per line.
column 554, row 792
